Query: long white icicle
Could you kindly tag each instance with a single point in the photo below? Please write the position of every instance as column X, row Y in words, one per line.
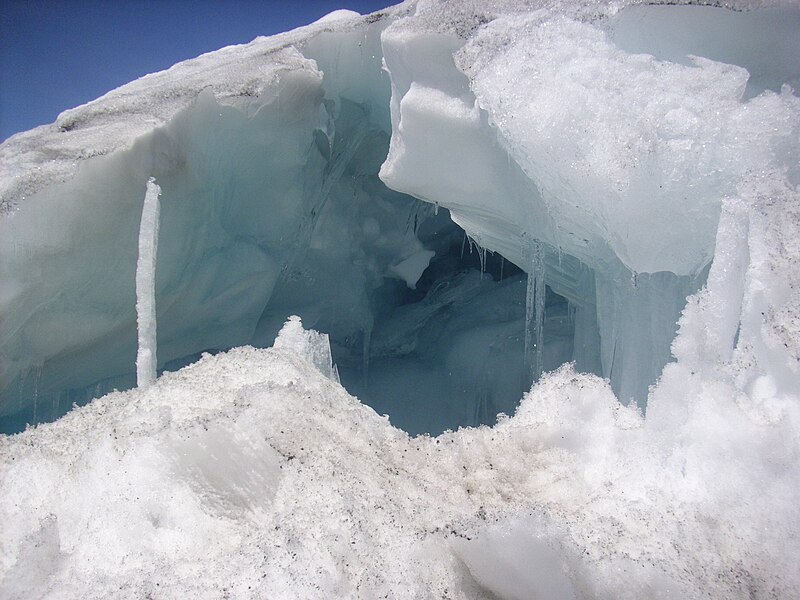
column 146, row 286
column 534, row 311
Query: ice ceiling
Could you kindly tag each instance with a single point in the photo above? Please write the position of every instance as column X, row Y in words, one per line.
column 453, row 231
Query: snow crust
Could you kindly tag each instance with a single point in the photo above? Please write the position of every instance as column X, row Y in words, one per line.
column 655, row 176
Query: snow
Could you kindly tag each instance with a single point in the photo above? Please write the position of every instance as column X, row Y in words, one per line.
column 442, row 198
column 337, row 15
column 411, row 269
column 256, row 471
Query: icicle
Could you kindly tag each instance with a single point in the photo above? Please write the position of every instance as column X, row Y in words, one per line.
column 534, row 310
column 482, row 255
column 463, row 243
column 417, row 215
column 365, row 350
column 502, row 264
column 37, row 377
column 146, row 286
column 477, row 408
column 436, row 209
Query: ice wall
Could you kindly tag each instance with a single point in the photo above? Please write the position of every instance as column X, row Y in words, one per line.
column 70, row 321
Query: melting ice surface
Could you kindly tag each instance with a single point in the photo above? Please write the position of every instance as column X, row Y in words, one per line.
column 452, row 201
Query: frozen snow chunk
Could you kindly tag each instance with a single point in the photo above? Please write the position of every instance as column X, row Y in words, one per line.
column 313, row 346
column 765, row 42
column 338, row 15
column 522, row 559
column 241, row 76
column 232, row 469
column 39, row 558
column 578, row 413
column 632, row 153
column 411, row 269
column 443, row 150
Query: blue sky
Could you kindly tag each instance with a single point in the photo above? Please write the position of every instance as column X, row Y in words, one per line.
column 56, row 54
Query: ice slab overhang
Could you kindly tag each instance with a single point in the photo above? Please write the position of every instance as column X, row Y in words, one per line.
column 549, row 128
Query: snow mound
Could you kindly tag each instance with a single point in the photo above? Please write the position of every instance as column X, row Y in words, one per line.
column 255, row 455
column 338, row 15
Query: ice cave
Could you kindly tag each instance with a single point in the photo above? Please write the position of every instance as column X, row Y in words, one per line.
column 549, row 252
column 250, row 236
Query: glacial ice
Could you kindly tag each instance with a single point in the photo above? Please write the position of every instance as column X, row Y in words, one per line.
column 561, row 238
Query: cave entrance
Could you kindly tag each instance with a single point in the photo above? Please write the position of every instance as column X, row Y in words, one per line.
column 450, row 353
column 425, row 326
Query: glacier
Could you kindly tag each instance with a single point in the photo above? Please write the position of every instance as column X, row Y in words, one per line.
column 476, row 299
